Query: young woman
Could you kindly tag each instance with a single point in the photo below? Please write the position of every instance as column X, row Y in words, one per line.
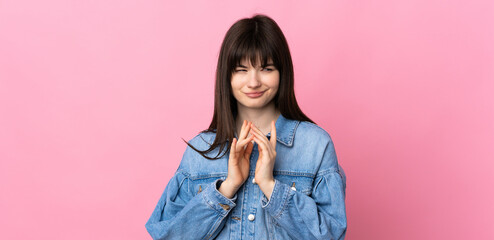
column 280, row 179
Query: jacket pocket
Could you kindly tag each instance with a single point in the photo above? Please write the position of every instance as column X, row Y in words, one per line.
column 300, row 182
column 199, row 183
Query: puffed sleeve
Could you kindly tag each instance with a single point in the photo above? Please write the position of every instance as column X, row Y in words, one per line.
column 321, row 215
column 180, row 214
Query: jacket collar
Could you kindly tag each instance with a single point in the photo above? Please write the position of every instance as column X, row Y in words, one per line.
column 285, row 130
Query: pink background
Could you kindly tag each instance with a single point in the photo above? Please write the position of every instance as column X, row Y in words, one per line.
column 96, row 95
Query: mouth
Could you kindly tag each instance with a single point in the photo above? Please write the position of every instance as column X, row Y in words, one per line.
column 255, row 94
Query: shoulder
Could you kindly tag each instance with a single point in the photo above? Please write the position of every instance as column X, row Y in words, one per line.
column 193, row 163
column 318, row 142
column 202, row 141
column 313, row 132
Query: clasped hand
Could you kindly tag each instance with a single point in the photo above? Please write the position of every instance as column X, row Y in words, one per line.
column 238, row 163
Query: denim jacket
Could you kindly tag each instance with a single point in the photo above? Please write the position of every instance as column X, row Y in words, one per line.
column 307, row 202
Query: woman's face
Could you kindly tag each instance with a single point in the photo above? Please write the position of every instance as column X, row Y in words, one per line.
column 255, row 87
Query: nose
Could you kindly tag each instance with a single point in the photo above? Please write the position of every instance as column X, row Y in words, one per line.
column 254, row 80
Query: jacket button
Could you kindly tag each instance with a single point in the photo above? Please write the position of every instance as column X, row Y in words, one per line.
column 251, row 217
column 254, row 180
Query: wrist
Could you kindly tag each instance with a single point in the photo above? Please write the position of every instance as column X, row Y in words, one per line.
column 267, row 187
column 227, row 189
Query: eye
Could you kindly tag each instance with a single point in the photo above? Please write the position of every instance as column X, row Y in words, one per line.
column 240, row 70
column 268, row 69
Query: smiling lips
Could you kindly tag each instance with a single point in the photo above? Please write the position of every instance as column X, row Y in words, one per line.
column 255, row 94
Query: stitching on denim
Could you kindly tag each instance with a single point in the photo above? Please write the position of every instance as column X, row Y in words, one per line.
column 209, row 175
column 272, row 194
column 293, row 173
column 343, row 183
column 281, row 204
column 305, row 183
column 213, row 229
column 291, row 134
column 210, row 206
column 219, row 195
column 186, row 177
column 183, row 172
column 286, row 195
column 327, row 171
column 291, row 127
column 182, row 182
column 207, row 202
column 317, row 183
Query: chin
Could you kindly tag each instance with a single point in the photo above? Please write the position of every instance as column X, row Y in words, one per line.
column 253, row 105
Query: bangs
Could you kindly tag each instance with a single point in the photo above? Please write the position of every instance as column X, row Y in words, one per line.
column 252, row 49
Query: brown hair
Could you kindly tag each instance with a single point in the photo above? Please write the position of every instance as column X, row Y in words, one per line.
column 250, row 38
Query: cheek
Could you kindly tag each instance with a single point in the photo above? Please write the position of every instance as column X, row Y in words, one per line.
column 235, row 88
column 235, row 83
column 274, row 82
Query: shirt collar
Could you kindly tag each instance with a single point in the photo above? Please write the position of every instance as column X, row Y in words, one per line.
column 285, row 130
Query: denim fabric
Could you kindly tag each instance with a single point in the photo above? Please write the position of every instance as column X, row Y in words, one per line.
column 307, row 202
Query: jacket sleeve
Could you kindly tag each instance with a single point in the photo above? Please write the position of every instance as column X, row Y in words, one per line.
column 321, row 215
column 181, row 214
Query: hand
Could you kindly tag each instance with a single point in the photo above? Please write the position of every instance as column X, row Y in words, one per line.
column 267, row 156
column 238, row 163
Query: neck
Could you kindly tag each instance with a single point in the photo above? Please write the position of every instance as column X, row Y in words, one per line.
column 260, row 117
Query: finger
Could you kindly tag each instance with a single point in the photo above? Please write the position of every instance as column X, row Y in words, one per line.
column 245, row 156
column 244, row 130
column 243, row 139
column 258, row 165
column 260, row 152
column 241, row 129
column 273, row 134
column 247, row 152
column 249, row 148
column 254, row 127
column 247, row 129
column 263, row 146
column 260, row 135
column 233, row 150
column 243, row 142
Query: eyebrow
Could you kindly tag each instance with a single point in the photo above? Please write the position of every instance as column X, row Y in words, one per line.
column 267, row 65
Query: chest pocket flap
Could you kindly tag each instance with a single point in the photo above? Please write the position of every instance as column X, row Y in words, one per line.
column 297, row 182
column 198, row 184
